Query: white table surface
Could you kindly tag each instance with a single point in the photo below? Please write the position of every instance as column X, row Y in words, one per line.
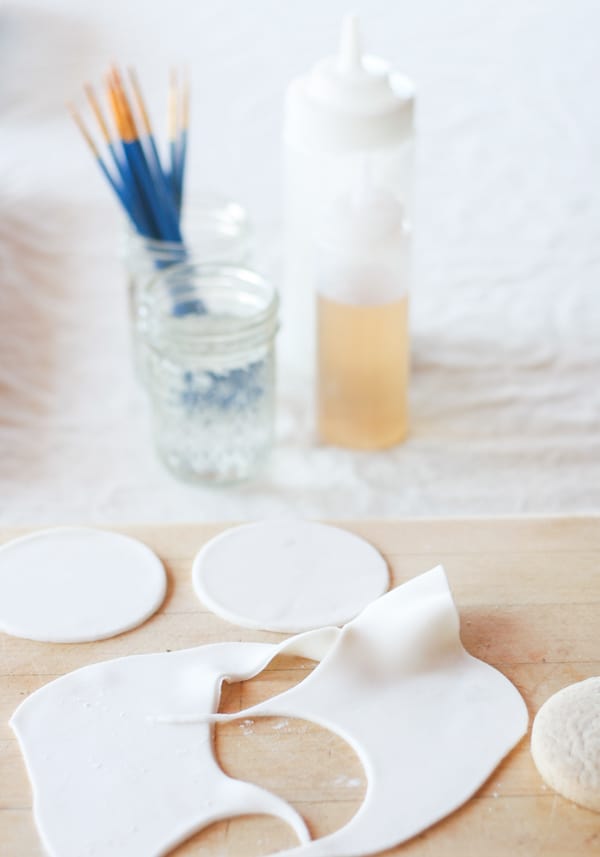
column 506, row 309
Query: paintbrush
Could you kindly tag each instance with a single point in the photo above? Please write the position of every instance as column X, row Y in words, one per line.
column 161, row 181
column 163, row 217
column 118, row 188
column 142, row 222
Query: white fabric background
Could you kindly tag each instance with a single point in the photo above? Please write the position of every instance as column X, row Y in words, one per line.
column 506, row 310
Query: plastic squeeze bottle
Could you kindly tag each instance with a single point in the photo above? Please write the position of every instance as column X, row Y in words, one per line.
column 348, row 117
column 363, row 269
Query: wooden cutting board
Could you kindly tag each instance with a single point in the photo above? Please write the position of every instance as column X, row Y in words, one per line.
column 528, row 592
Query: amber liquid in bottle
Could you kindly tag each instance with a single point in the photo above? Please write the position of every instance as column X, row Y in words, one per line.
column 363, row 363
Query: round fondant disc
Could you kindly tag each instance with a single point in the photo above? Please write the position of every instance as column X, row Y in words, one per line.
column 75, row 585
column 288, row 576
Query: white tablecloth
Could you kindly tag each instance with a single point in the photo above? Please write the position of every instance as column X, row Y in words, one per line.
column 506, row 309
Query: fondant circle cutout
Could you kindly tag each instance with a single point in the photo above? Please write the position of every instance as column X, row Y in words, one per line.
column 288, row 576
column 74, row 585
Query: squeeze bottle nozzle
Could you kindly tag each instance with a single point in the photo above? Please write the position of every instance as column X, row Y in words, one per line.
column 350, row 54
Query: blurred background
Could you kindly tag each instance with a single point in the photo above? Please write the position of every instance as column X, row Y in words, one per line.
column 505, row 393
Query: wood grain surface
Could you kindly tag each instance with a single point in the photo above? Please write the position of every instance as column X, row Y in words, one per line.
column 528, row 592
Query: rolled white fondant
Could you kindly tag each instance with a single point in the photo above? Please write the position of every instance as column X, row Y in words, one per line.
column 120, row 753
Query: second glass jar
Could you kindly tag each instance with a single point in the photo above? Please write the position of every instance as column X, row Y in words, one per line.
column 207, row 339
column 216, row 230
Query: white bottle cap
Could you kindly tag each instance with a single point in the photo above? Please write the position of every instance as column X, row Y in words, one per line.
column 349, row 102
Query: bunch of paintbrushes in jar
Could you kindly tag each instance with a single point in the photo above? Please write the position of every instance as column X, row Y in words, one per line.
column 203, row 326
column 150, row 193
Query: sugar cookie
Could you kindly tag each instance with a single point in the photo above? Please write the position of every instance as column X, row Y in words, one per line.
column 565, row 742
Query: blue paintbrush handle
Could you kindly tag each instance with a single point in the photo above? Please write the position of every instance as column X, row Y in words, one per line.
column 118, row 189
column 162, row 183
column 174, row 152
column 142, row 217
column 181, row 169
column 134, row 153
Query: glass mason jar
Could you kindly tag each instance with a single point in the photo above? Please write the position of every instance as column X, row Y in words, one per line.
column 215, row 229
column 207, row 341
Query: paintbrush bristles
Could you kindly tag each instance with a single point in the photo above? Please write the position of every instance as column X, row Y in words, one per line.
column 173, row 112
column 185, row 101
column 126, row 113
column 97, row 111
column 115, row 107
column 83, row 129
column 139, row 98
